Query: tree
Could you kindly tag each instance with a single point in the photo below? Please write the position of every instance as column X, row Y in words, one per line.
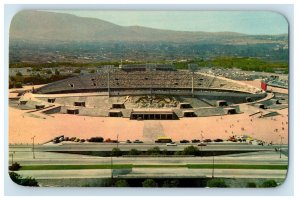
column 219, row 183
column 18, row 179
column 116, row 152
column 48, row 71
column 154, row 151
column 149, row 183
column 171, row 183
column 12, row 78
column 18, row 85
column 251, row 185
column 190, row 150
column 77, row 71
column 19, row 74
column 121, row 183
column 134, row 152
column 269, row 183
column 15, row 167
column 57, row 73
column 165, row 152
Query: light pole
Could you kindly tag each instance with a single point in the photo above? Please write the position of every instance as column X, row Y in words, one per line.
column 108, row 82
column 111, row 166
column 193, row 84
column 280, row 145
column 33, row 154
column 201, row 143
column 117, row 140
column 213, row 166
column 12, row 158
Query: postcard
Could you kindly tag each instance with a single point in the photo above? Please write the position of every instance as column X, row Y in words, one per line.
column 102, row 98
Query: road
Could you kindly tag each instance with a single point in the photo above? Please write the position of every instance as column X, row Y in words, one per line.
column 23, row 155
column 48, row 158
column 142, row 147
column 154, row 173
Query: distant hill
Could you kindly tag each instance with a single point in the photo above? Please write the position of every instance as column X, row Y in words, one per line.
column 49, row 26
column 40, row 36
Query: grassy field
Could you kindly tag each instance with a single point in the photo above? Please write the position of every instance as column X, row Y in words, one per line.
column 129, row 166
column 69, row 167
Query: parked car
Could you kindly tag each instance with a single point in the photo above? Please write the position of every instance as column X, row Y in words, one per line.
column 232, row 139
column 207, row 140
column 202, row 144
column 184, row 141
column 138, row 141
column 218, row 140
column 96, row 139
column 171, row 144
column 108, row 140
column 58, row 139
column 61, row 138
column 128, row 141
column 55, row 141
column 195, row 141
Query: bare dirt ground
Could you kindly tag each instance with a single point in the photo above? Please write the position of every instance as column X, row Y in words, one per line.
column 257, row 83
column 22, row 127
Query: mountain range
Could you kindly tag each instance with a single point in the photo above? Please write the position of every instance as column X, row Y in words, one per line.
column 42, row 36
column 44, row 26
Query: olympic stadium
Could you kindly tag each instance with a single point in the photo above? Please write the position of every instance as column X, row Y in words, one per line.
column 144, row 92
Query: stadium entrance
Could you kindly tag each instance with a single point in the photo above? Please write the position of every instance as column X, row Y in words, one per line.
column 153, row 115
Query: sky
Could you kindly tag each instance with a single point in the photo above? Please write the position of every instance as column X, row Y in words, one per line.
column 248, row 22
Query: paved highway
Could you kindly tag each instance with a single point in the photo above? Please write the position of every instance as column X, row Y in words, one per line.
column 45, row 158
column 142, row 147
column 154, row 173
column 266, row 156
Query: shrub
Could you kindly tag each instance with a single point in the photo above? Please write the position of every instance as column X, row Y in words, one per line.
column 48, row 71
column 149, row 183
column 77, row 140
column 116, row 152
column 14, row 177
column 269, row 183
column 154, row 151
column 77, row 71
column 219, row 183
column 19, row 74
column 82, row 140
column 171, row 183
column 165, row 152
column 134, row 152
column 18, row 85
column 121, row 183
column 251, row 185
column 28, row 181
column 15, row 167
column 57, row 73
column 190, row 150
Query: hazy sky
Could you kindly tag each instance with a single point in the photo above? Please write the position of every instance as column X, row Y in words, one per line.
column 249, row 22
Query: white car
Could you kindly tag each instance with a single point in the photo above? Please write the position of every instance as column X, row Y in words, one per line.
column 171, row 144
